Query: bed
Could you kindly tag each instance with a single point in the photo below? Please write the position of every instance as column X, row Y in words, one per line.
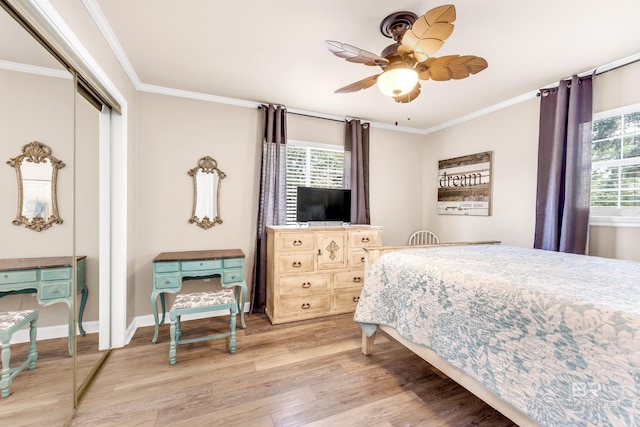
column 546, row 338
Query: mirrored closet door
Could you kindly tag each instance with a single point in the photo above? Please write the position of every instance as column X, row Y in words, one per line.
column 37, row 105
column 42, row 102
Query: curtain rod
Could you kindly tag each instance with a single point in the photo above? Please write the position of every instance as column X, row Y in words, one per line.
column 314, row 116
column 605, row 69
column 318, row 117
column 615, row 67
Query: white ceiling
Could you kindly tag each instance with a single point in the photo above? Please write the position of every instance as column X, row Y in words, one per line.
column 274, row 51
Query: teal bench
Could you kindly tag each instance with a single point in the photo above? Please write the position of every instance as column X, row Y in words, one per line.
column 10, row 322
column 202, row 302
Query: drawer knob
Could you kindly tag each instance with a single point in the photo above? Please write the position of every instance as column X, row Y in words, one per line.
column 306, row 306
column 365, row 240
column 357, row 279
column 306, row 285
column 55, row 291
column 297, row 243
column 167, row 281
column 362, row 259
column 6, row 276
column 296, row 264
column 356, row 299
column 201, row 264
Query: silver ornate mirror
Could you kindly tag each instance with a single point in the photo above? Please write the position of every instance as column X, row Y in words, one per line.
column 36, row 171
column 207, row 179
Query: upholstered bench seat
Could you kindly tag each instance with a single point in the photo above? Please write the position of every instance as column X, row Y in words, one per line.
column 10, row 322
column 201, row 302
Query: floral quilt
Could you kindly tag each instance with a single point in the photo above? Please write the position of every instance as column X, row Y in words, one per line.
column 555, row 335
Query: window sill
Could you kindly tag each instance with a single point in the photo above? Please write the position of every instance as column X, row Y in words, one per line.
column 614, row 221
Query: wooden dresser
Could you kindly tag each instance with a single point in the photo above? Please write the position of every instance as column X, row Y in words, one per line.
column 315, row 271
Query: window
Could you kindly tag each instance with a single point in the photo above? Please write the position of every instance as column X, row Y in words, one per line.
column 311, row 165
column 615, row 173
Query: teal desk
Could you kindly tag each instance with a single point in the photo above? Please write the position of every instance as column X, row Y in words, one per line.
column 170, row 269
column 51, row 278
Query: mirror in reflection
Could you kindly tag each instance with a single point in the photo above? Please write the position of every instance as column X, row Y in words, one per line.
column 36, row 172
column 207, row 179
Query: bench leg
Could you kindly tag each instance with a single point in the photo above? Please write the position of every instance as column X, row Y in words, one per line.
column 232, row 327
column 33, row 353
column 173, row 345
column 5, row 379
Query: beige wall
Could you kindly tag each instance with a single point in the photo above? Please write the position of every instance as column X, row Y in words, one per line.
column 74, row 13
column 512, row 135
column 35, row 108
column 173, row 133
column 396, row 183
column 39, row 108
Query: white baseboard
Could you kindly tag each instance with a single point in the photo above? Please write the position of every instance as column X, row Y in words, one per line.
column 51, row 332
column 92, row 327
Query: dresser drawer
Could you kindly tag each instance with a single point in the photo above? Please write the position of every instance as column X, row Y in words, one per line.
column 205, row 264
column 165, row 267
column 305, row 305
column 356, row 259
column 364, row 238
column 232, row 276
column 305, row 285
column 55, row 274
column 296, row 263
column 233, row 262
column 345, row 301
column 295, row 242
column 167, row 281
column 54, row 290
column 348, row 279
column 18, row 276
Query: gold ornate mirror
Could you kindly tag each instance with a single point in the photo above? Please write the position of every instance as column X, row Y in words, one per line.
column 207, row 179
column 36, row 171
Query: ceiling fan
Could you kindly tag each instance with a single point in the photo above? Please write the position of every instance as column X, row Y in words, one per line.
column 409, row 59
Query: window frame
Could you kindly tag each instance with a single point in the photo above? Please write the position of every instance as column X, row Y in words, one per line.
column 615, row 216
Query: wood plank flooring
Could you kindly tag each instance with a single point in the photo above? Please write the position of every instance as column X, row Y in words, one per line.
column 43, row 397
column 308, row 373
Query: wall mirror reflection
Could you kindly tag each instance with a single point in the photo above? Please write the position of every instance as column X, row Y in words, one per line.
column 39, row 103
column 36, row 173
column 207, row 180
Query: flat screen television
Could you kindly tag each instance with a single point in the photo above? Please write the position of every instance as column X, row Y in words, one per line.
column 323, row 204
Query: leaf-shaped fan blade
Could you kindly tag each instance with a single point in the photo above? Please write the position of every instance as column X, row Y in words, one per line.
column 354, row 54
column 359, row 85
column 451, row 67
column 409, row 96
column 429, row 32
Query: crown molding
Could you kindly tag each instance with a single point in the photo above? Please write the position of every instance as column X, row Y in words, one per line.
column 103, row 25
column 34, row 69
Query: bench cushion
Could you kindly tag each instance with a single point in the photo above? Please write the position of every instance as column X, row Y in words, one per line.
column 9, row 319
column 204, row 299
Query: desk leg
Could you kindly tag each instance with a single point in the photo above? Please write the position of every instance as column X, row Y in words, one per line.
column 154, row 310
column 83, row 302
column 164, row 309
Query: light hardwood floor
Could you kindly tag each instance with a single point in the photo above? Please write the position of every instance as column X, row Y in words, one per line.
column 303, row 373
column 43, row 397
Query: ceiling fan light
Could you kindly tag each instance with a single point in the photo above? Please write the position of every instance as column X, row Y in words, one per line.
column 397, row 81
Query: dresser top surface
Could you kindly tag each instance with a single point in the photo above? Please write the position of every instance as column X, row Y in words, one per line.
column 40, row 262
column 354, row 227
column 199, row 255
